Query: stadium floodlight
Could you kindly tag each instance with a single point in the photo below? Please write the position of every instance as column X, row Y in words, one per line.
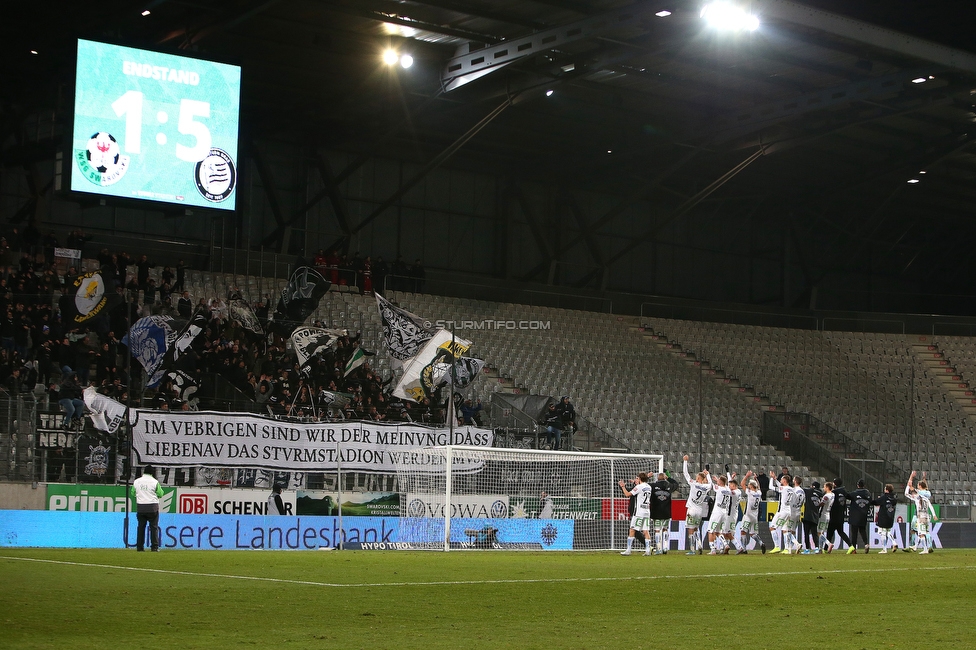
column 729, row 17
column 549, row 93
column 146, row 12
column 664, row 13
column 919, row 80
column 33, row 51
column 390, row 57
column 913, row 180
column 476, row 498
column 406, row 61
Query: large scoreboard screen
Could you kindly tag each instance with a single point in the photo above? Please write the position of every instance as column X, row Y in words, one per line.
column 157, row 127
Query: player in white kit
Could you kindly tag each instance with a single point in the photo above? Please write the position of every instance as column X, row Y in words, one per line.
column 799, row 496
column 720, row 512
column 697, row 504
column 750, row 518
column 777, row 527
column 642, row 512
column 823, row 544
column 732, row 517
column 924, row 513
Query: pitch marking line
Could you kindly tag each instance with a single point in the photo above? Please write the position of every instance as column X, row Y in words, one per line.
column 433, row 583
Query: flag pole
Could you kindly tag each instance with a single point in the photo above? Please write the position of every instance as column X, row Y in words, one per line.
column 128, row 422
column 450, row 397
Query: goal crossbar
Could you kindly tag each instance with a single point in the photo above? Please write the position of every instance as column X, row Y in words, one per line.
column 476, row 497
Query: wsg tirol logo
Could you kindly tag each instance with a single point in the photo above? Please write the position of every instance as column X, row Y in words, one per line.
column 101, row 161
column 215, row 176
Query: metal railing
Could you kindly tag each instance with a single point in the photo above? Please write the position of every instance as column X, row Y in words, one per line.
column 521, row 430
column 18, row 415
column 443, row 283
column 735, row 316
column 819, row 446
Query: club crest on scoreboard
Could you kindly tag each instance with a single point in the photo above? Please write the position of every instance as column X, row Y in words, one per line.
column 102, row 161
column 216, row 176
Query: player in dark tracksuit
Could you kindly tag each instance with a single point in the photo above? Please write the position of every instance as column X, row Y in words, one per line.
column 858, row 514
column 661, row 511
column 837, row 511
column 811, row 515
column 886, row 517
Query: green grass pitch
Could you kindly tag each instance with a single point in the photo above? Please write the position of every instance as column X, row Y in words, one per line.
column 355, row 599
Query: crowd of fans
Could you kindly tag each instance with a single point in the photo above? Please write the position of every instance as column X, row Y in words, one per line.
column 42, row 348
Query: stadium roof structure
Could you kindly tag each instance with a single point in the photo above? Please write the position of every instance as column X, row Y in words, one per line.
column 852, row 121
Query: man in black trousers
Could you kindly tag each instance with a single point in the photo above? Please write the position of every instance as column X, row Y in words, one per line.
column 661, row 511
column 886, row 518
column 858, row 514
column 837, row 511
column 811, row 515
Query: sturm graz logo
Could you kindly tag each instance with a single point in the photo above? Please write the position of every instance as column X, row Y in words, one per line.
column 498, row 509
column 549, row 534
column 216, row 176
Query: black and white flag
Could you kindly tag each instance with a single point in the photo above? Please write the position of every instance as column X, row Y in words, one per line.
column 299, row 299
column 466, row 370
column 405, row 333
column 240, row 311
column 184, row 339
column 106, row 413
column 420, row 374
column 185, row 385
column 309, row 341
column 148, row 340
column 158, row 342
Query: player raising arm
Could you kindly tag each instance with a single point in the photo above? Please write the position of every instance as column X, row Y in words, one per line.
column 750, row 519
column 777, row 528
column 723, row 501
column 642, row 512
column 925, row 512
column 697, row 508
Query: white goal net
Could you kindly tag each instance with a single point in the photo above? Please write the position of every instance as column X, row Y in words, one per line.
column 477, row 498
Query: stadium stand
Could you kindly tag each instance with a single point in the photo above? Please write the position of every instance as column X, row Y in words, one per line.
column 644, row 397
column 904, row 397
column 862, row 384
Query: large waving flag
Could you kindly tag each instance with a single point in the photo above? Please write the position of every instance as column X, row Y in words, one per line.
column 309, row 341
column 158, row 342
column 405, row 333
column 299, row 299
column 148, row 339
column 239, row 310
column 106, row 413
column 185, row 385
column 357, row 359
column 466, row 370
column 184, row 339
column 420, row 374
column 91, row 298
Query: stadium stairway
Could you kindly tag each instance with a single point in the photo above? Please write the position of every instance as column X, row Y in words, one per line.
column 952, row 379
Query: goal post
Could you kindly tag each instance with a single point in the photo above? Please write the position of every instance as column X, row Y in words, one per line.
column 460, row 497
